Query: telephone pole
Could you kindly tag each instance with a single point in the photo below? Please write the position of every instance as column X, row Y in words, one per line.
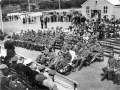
column 59, row 4
column 29, row 4
column 1, row 22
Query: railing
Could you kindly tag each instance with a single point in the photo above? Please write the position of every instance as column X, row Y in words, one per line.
column 61, row 81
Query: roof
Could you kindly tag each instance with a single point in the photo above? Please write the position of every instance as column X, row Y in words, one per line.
column 114, row 2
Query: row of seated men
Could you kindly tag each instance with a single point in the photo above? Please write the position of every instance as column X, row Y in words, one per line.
column 85, row 52
column 36, row 47
column 22, row 74
column 112, row 70
column 34, row 41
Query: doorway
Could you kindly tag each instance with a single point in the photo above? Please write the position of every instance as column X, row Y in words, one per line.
column 96, row 13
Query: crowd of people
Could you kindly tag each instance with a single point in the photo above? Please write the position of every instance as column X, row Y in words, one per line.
column 29, row 19
column 36, row 40
column 81, row 38
column 20, row 73
column 11, row 17
column 57, row 39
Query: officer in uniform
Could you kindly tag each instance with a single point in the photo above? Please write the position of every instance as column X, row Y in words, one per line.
column 40, row 78
column 110, row 68
column 84, row 57
column 25, row 68
column 78, row 58
column 15, row 84
column 67, row 56
column 4, row 68
column 59, row 57
column 52, row 84
column 14, row 62
column 9, row 45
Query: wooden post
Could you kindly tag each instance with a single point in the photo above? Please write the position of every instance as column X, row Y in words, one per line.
column 1, row 21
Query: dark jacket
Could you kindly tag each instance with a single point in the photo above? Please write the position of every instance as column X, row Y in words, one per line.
column 9, row 45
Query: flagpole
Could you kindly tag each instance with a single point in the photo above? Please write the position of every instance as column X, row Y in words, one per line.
column 1, row 21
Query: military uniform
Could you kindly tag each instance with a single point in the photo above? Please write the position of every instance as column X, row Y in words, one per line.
column 84, row 57
column 110, row 68
column 9, row 45
column 117, row 72
column 15, row 84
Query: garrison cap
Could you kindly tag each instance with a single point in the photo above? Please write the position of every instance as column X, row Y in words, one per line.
column 14, row 76
column 41, row 67
column 52, row 72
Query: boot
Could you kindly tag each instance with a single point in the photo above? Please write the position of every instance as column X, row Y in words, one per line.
column 104, row 77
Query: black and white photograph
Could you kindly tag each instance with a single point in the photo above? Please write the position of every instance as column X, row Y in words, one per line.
column 59, row 44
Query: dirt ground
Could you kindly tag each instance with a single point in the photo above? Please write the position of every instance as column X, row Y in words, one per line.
column 89, row 78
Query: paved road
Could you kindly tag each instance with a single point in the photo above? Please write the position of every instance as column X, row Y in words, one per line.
column 88, row 78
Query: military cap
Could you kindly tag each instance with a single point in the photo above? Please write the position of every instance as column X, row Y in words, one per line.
column 3, row 66
column 15, row 58
column 8, row 37
column 14, row 76
column 28, row 61
column 40, row 78
column 52, row 72
column 41, row 67
column 6, row 72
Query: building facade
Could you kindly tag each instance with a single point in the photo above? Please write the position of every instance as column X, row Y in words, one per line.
column 101, row 8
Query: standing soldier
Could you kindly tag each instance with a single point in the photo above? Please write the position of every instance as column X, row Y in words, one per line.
column 9, row 45
column 23, row 20
column 29, row 20
column 45, row 21
column 41, row 20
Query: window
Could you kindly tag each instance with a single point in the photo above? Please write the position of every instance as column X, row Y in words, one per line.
column 105, row 9
column 87, row 9
column 95, row 2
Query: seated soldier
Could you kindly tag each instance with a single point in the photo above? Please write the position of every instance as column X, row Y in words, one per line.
column 5, row 70
column 19, row 65
column 15, row 83
column 5, row 75
column 59, row 57
column 25, row 68
column 117, row 71
column 51, row 82
column 84, row 57
column 14, row 62
column 67, row 56
column 40, row 78
column 110, row 67
column 96, row 51
column 42, row 58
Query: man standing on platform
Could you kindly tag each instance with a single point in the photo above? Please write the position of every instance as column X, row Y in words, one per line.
column 9, row 45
